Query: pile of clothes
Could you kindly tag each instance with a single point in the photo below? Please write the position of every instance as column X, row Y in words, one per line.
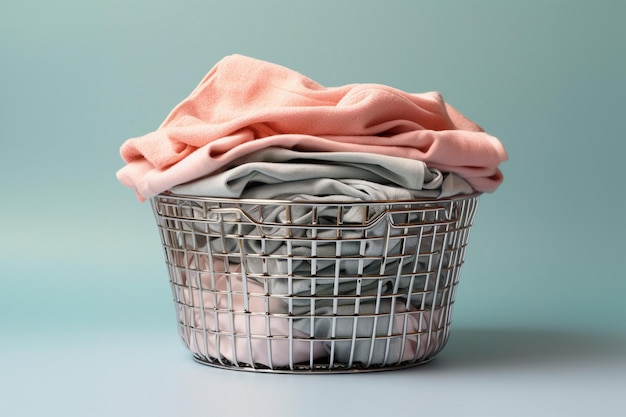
column 245, row 109
column 256, row 130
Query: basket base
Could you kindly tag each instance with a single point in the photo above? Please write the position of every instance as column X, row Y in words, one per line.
column 306, row 369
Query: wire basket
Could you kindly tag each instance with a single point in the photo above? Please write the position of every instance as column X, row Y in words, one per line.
column 313, row 286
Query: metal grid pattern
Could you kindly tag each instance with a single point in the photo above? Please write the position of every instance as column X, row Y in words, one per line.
column 324, row 286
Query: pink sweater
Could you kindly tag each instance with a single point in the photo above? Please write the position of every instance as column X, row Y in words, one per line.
column 243, row 105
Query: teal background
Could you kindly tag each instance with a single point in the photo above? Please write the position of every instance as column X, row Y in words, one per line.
column 86, row 322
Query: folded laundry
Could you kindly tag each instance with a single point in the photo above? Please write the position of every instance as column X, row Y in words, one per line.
column 373, row 250
column 355, row 189
column 244, row 105
column 370, row 333
column 288, row 173
column 374, row 276
column 278, row 165
column 226, row 316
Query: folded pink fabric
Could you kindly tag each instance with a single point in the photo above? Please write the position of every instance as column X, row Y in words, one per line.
column 244, row 104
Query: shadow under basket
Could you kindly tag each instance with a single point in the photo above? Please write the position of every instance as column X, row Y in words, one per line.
column 313, row 286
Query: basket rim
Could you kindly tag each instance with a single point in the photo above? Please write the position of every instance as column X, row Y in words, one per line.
column 313, row 202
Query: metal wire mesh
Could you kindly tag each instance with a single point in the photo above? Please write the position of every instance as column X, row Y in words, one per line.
column 323, row 286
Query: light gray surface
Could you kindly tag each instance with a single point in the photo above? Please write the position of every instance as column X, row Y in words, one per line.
column 482, row 372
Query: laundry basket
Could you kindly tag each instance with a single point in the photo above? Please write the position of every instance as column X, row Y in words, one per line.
column 313, row 286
